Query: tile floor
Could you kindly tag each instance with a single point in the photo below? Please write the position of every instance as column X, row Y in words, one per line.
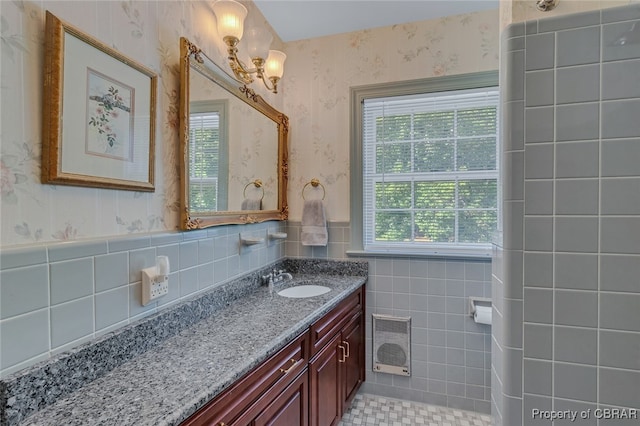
column 373, row 410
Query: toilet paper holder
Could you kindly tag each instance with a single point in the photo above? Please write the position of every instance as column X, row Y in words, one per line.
column 478, row 301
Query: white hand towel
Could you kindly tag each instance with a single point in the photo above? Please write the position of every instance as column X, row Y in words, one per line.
column 251, row 204
column 314, row 224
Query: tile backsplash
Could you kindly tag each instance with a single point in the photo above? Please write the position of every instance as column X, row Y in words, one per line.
column 451, row 354
column 55, row 297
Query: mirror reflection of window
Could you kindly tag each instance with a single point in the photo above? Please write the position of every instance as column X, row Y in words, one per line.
column 208, row 168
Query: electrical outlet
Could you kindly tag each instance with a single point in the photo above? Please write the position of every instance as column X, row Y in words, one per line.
column 153, row 285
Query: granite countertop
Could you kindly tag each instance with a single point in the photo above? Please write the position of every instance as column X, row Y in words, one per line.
column 172, row 380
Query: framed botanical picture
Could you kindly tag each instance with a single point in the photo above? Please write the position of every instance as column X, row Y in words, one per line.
column 98, row 124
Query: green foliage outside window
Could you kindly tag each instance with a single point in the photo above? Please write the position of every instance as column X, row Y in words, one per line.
column 203, row 168
column 415, row 204
column 203, row 197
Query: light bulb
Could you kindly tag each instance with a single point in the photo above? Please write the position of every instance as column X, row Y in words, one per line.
column 275, row 64
column 258, row 41
column 230, row 17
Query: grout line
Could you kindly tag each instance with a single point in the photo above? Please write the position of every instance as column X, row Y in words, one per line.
column 599, row 284
column 553, row 222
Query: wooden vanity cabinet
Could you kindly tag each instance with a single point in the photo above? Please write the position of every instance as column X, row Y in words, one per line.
column 260, row 389
column 290, row 407
column 336, row 369
column 325, row 376
column 324, row 329
column 354, row 369
column 311, row 381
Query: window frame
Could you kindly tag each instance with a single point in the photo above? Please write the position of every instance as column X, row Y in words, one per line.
column 358, row 94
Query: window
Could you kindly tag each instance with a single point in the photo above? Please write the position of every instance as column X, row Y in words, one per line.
column 429, row 170
column 207, row 142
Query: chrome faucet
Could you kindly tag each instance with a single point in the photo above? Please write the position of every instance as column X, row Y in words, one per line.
column 281, row 275
column 276, row 276
column 268, row 279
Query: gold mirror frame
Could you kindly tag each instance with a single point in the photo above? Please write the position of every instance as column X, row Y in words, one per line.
column 192, row 56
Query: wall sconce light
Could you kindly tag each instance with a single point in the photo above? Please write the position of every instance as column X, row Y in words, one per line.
column 230, row 17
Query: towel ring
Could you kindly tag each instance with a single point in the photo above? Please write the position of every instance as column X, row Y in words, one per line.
column 258, row 184
column 315, row 183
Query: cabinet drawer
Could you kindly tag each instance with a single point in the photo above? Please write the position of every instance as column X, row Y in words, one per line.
column 285, row 404
column 325, row 328
column 284, row 366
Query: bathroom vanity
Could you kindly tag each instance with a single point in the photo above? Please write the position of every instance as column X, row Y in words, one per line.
column 310, row 381
column 238, row 354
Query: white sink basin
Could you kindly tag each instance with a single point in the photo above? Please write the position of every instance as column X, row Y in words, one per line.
column 301, row 291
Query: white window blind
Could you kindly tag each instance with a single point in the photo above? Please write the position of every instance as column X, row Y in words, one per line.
column 430, row 172
column 204, row 152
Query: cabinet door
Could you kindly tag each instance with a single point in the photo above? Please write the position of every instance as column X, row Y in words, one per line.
column 353, row 340
column 290, row 408
column 325, row 376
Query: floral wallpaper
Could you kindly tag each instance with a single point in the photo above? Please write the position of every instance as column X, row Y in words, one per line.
column 314, row 94
column 319, row 73
column 149, row 32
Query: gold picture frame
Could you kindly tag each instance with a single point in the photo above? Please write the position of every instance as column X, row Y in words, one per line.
column 99, row 113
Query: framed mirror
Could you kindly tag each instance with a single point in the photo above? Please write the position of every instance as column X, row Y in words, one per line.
column 234, row 161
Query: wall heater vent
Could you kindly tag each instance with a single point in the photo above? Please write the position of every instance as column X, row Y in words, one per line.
column 392, row 344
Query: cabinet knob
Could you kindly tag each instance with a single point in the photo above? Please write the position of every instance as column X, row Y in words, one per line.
column 344, row 354
column 293, row 363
